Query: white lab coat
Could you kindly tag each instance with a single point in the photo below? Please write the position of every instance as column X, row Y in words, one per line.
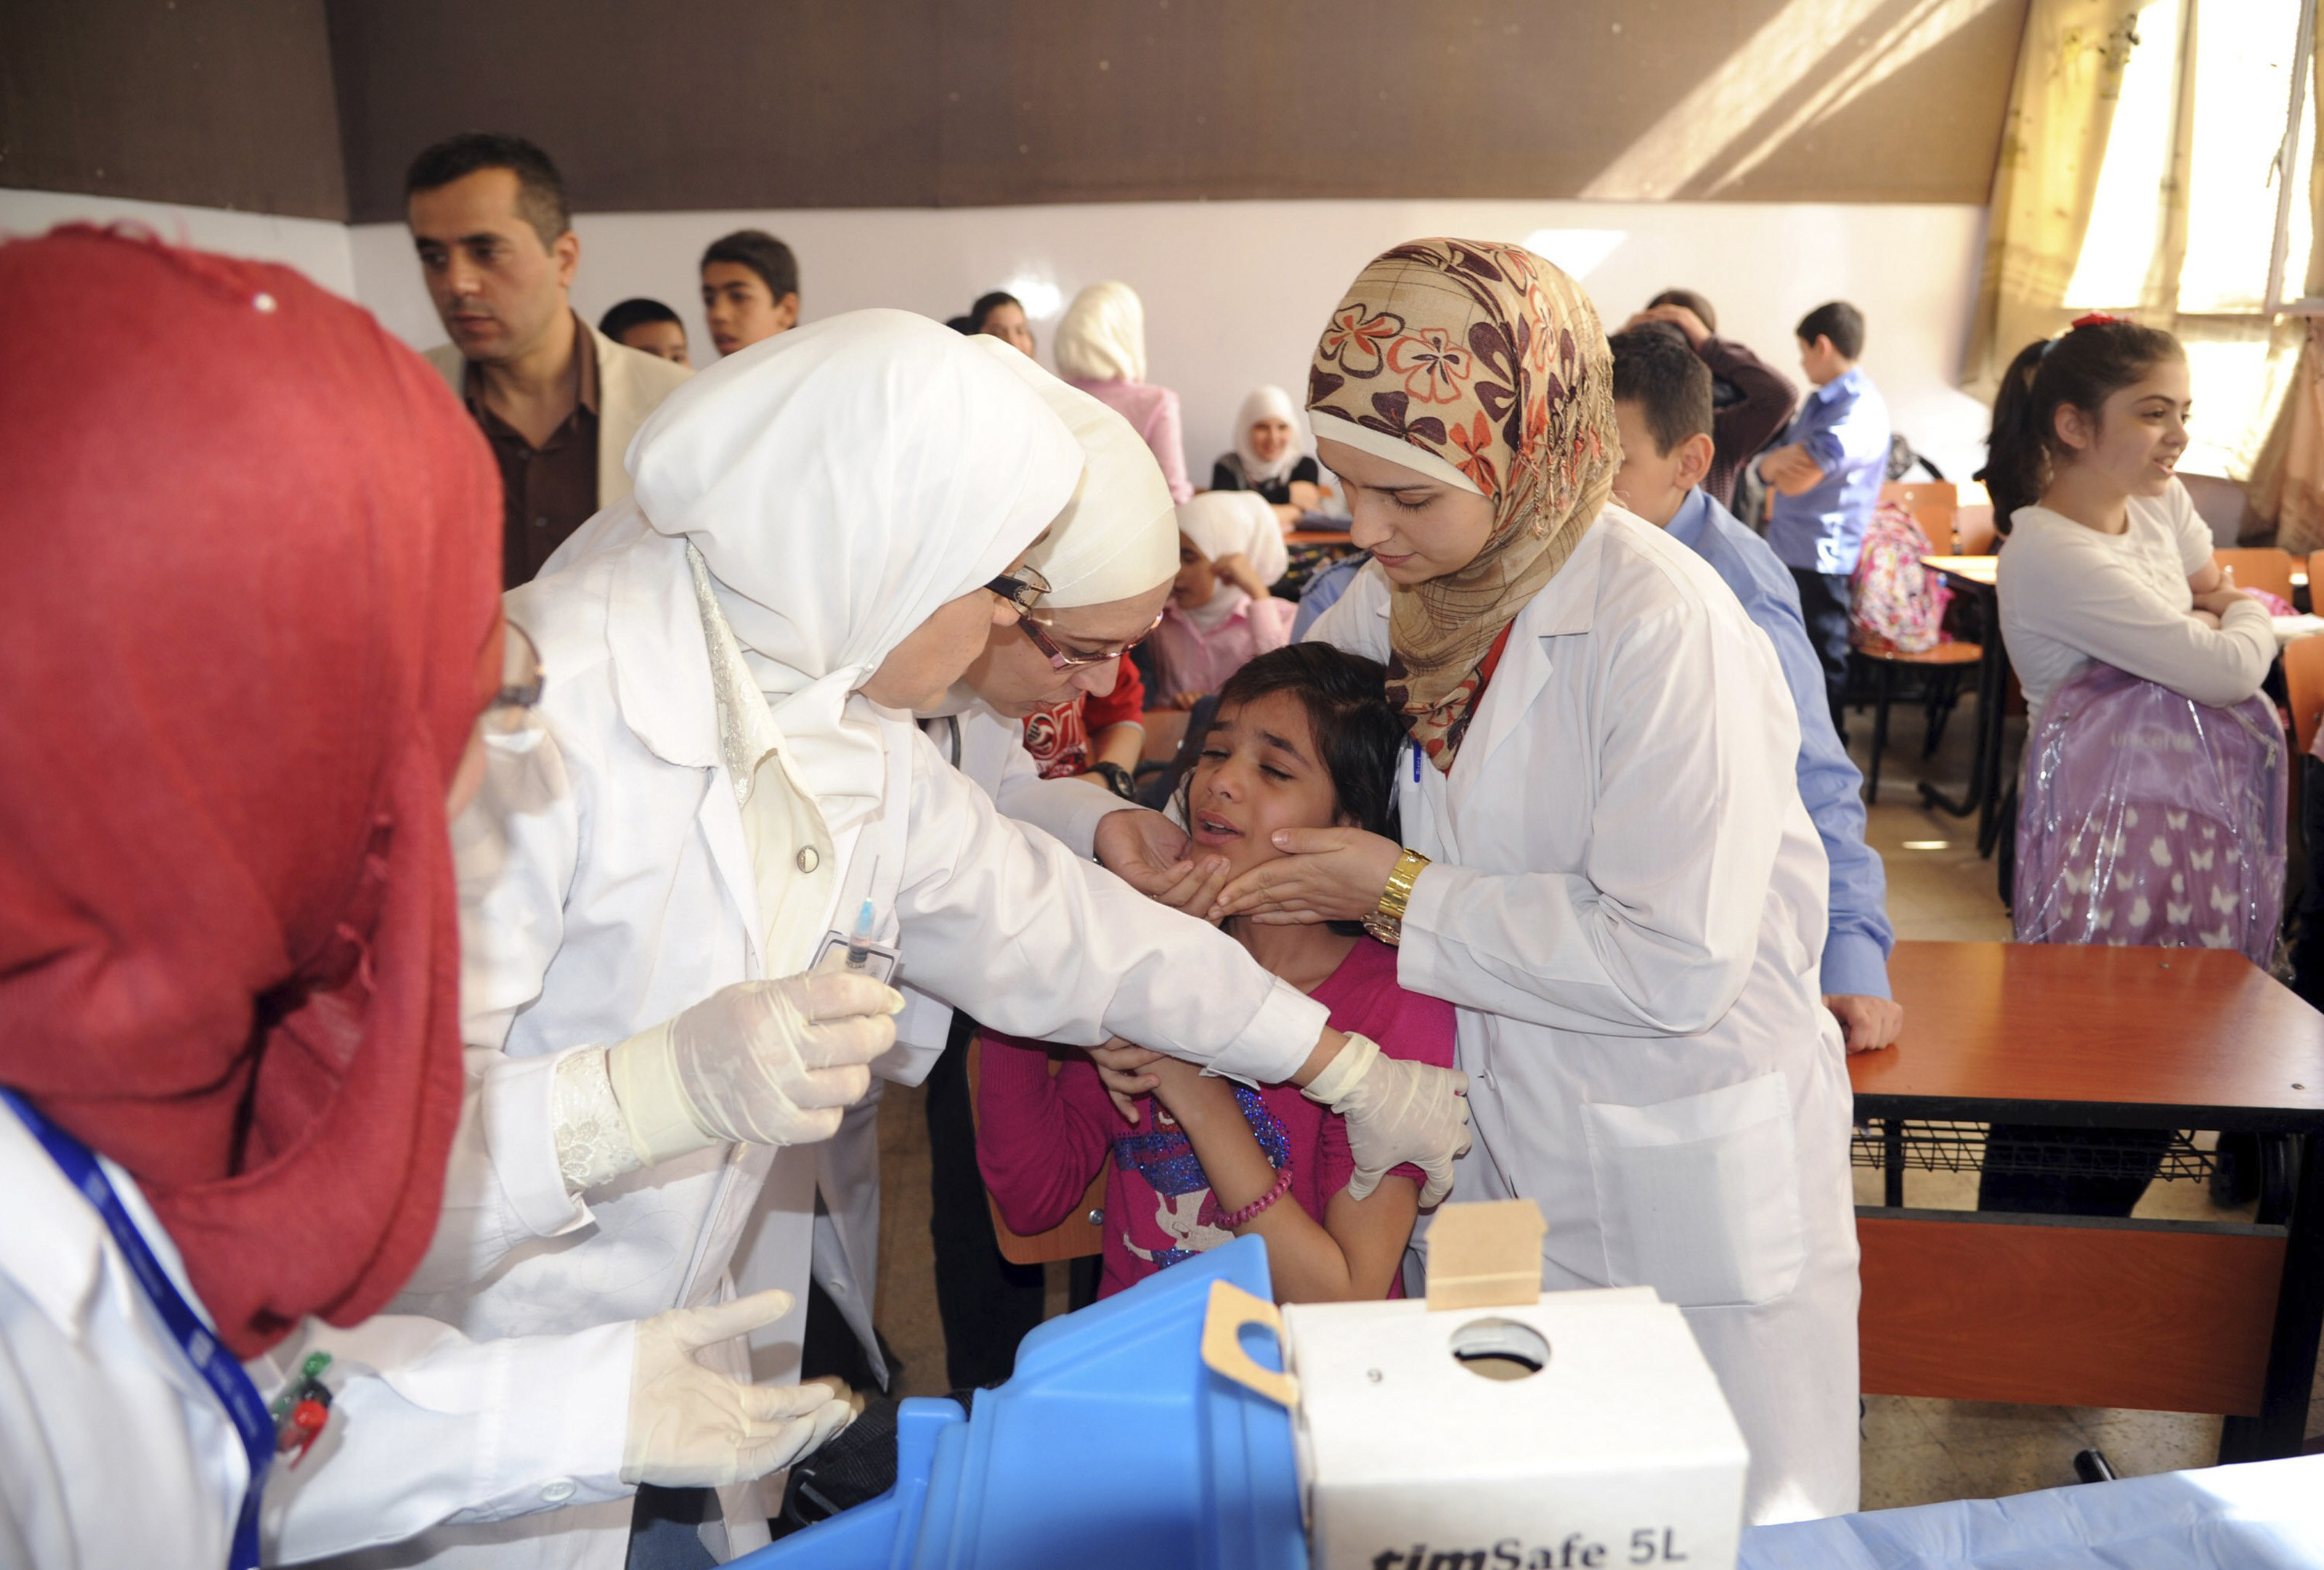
column 114, row 1451
column 990, row 750
column 606, row 886
column 1628, row 905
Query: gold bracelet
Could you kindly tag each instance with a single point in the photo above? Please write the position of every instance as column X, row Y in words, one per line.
column 1386, row 921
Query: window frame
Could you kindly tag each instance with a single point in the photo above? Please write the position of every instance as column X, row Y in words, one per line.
column 2287, row 159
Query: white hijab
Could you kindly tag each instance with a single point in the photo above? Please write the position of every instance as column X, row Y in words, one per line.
column 1268, row 404
column 1228, row 523
column 841, row 481
column 1102, row 337
column 1118, row 538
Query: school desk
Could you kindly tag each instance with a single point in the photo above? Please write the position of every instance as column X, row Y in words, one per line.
column 2190, row 1316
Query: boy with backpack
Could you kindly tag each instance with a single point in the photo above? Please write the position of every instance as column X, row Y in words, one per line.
column 1827, row 478
column 1663, row 409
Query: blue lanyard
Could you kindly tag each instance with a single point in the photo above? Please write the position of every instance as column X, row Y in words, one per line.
column 212, row 1362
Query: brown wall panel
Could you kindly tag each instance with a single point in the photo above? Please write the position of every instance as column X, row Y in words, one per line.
column 650, row 106
column 693, row 104
column 736, row 104
column 217, row 103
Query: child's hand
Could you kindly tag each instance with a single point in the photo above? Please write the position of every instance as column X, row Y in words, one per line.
column 2222, row 599
column 1187, row 1094
column 1195, row 888
column 1121, row 1069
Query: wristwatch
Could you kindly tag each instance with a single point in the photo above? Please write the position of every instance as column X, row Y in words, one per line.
column 1113, row 777
column 1386, row 921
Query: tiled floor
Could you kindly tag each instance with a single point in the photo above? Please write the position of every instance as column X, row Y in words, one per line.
column 1915, row 1451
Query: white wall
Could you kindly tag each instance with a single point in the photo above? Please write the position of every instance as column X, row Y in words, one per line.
column 315, row 247
column 1235, row 291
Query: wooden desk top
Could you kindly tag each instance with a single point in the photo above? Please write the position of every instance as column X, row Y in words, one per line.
column 2181, row 1027
column 1319, row 537
column 1976, row 569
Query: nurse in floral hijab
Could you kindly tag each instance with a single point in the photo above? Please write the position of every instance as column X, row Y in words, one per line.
column 1604, row 862
column 1483, row 365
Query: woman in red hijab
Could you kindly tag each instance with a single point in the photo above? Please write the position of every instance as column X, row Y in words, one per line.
column 248, row 616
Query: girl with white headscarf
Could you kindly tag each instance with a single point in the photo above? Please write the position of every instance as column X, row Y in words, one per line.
column 1230, row 552
column 1101, row 349
column 723, row 782
column 1270, row 455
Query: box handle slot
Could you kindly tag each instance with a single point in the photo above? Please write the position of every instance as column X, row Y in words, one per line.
column 1231, row 1309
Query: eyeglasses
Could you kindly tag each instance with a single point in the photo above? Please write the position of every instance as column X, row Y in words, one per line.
column 1069, row 660
column 521, row 682
column 1021, row 589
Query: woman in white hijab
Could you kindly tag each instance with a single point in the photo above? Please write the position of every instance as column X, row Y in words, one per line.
column 1101, row 349
column 1270, row 457
column 723, row 787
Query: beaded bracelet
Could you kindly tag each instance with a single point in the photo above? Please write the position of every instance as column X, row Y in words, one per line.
column 1250, row 1213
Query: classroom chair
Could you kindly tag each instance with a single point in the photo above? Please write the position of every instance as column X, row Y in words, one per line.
column 2260, row 566
column 1940, row 670
column 1973, row 530
column 1080, row 1235
column 1931, row 503
column 2303, row 687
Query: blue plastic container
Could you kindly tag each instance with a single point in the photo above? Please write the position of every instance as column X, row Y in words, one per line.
column 1113, row 1445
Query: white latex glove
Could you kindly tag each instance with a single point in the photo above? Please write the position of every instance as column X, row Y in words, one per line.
column 1397, row 1112
column 690, row 1427
column 765, row 1063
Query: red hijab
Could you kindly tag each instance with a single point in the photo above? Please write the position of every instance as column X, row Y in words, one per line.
column 247, row 584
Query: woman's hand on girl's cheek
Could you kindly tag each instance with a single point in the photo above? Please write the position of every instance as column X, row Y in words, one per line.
column 1325, row 874
column 1195, row 888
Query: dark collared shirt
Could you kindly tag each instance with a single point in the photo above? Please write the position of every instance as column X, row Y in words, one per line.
column 547, row 491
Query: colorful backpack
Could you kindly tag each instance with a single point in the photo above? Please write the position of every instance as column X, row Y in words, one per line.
column 1896, row 603
column 2150, row 819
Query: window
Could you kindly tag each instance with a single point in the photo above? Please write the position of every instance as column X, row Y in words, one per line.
column 2196, row 212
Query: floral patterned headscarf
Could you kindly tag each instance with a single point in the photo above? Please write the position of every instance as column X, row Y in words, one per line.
column 1484, row 357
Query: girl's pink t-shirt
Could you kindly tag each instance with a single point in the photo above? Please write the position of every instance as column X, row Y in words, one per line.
column 1042, row 1137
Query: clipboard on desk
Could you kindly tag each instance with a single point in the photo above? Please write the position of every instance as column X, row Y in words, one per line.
column 1077, row 1235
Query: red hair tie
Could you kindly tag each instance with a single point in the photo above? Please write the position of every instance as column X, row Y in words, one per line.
column 2095, row 318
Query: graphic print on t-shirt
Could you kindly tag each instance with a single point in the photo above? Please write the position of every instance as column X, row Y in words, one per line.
column 1185, row 1211
column 1058, row 739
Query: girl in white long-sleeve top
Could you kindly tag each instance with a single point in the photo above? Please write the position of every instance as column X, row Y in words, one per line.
column 2107, row 559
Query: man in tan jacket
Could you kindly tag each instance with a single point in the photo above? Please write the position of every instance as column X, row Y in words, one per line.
column 557, row 400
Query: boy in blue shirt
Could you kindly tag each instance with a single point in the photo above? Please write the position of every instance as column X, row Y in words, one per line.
column 1826, row 478
column 1662, row 407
